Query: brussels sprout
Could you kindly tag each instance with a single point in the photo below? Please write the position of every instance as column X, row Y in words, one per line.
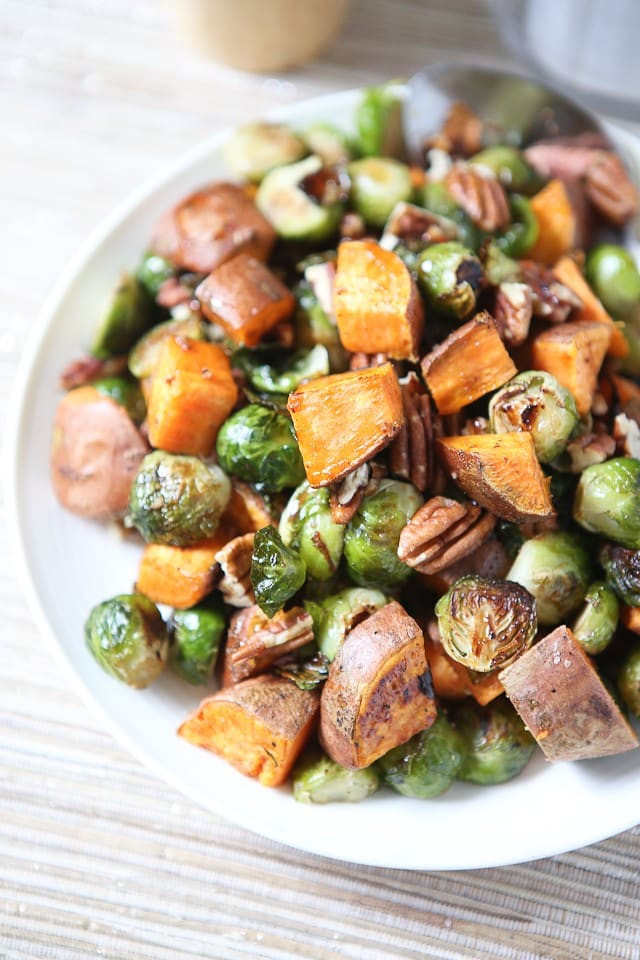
column 197, row 633
column 258, row 445
column 177, row 499
column 314, row 326
column 152, row 272
column 330, row 144
column 450, row 276
column 377, row 185
column 124, row 319
column 126, row 392
column 306, row 674
column 144, row 355
column 303, row 201
column 510, row 167
column 277, row 371
column 425, row 766
column 277, row 572
column 379, row 122
column 496, row 745
column 334, row 616
column 306, row 525
column 596, row 624
column 615, row 278
column 317, row 779
column 372, row 535
column 517, row 239
column 257, row 148
column 629, row 680
column 631, row 363
column 556, row 569
column 622, row 569
column 128, row 638
column 534, row 401
column 486, row 623
column 498, row 267
column 436, row 198
column 607, row 500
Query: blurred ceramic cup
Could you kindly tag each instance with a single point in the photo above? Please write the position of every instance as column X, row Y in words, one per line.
column 262, row 36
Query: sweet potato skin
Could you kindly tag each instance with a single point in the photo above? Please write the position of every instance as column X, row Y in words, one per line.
column 557, row 692
column 344, row 419
column 259, row 726
column 568, row 272
column 573, row 354
column 376, row 301
column 378, row 693
column 556, row 222
column 95, row 454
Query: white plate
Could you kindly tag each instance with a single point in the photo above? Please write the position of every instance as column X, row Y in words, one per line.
column 68, row 564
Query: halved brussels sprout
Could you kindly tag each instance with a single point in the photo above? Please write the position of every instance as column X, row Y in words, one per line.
column 197, row 633
column 277, row 371
column 425, row 766
column 144, row 355
column 335, row 615
column 510, row 167
column 124, row 319
column 596, row 624
column 450, row 276
column 257, row 148
column 486, row 623
column 258, row 445
column 556, row 569
column 622, row 569
column 126, row 392
column 614, row 275
column 152, row 272
column 306, row 525
column 128, row 638
column 303, row 201
column 496, row 745
column 608, row 500
column 535, row 402
column 377, row 185
column 318, row 779
column 379, row 121
column 329, row 143
column 306, row 674
column 177, row 499
column 277, row 572
column 629, row 680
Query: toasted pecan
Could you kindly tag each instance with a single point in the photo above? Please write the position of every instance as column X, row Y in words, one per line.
column 235, row 563
column 256, row 641
column 480, row 195
column 442, row 532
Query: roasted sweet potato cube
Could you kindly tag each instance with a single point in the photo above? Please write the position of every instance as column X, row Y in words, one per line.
column 630, row 618
column 569, row 273
column 556, row 689
column 556, row 222
column 501, row 472
column 378, row 693
column 247, row 509
column 259, row 726
column 472, row 361
column 192, row 394
column 573, row 353
column 451, row 680
column 245, row 298
column 344, row 419
column 180, row 576
column 376, row 301
column 211, row 226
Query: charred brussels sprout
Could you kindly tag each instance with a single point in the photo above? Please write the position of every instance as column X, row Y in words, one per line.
column 258, row 445
column 450, row 276
column 377, row 185
column 124, row 319
column 303, row 201
column 317, row 779
column 306, row 525
column 607, row 500
column 517, row 239
column 510, row 167
column 496, row 745
column 152, row 272
column 629, row 680
column 379, row 121
column 337, row 614
column 306, row 674
column 535, row 402
column 177, row 499
column 197, row 633
column 126, row 392
column 372, row 535
column 498, row 267
column 128, row 638
column 556, row 569
column 277, row 572
column 144, row 355
column 596, row 624
column 614, row 276
column 486, row 623
column 273, row 371
column 622, row 570
column 257, row 148
column 425, row 766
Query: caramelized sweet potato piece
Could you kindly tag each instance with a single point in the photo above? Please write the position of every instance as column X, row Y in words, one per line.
column 569, row 273
column 556, row 689
column 180, row 576
column 627, row 391
column 259, row 726
column 472, row 361
column 378, row 693
column 556, row 223
column 630, row 618
column 501, row 472
column 95, row 454
column 573, row 353
column 211, row 226
column 344, row 419
column 451, row 680
column 247, row 509
column 376, row 301
column 245, row 298
column 192, row 394
column 255, row 641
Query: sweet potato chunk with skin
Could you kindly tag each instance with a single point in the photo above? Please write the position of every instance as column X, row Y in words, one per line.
column 344, row 419
column 245, row 298
column 500, row 472
column 451, row 680
column 378, row 693
column 556, row 689
column 259, row 726
column 210, row 226
column 556, row 223
column 573, row 353
column 180, row 576
column 192, row 394
column 376, row 302
column 472, row 361
column 569, row 273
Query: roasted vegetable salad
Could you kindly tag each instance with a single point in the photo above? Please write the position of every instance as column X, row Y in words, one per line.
column 376, row 424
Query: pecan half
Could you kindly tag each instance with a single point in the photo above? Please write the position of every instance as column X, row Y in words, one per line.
column 480, row 195
column 609, row 188
column 255, row 642
column 551, row 300
column 235, row 562
column 461, row 133
column 442, row 532
column 512, row 311
column 412, row 449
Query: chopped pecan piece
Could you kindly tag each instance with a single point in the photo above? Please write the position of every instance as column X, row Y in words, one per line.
column 346, row 496
column 480, row 195
column 235, row 562
column 609, row 188
column 512, row 311
column 255, row 641
column 352, row 227
column 626, row 434
column 321, row 278
column 551, row 300
column 360, row 361
column 172, row 292
column 416, row 227
column 442, row 532
column 588, row 449
column 475, row 427
column 461, row 133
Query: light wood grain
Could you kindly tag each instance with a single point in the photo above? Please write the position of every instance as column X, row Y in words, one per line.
column 98, row 857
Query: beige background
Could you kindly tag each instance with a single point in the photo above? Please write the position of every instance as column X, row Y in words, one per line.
column 97, row 857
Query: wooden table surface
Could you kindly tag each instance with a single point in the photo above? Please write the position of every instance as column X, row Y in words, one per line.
column 97, row 856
